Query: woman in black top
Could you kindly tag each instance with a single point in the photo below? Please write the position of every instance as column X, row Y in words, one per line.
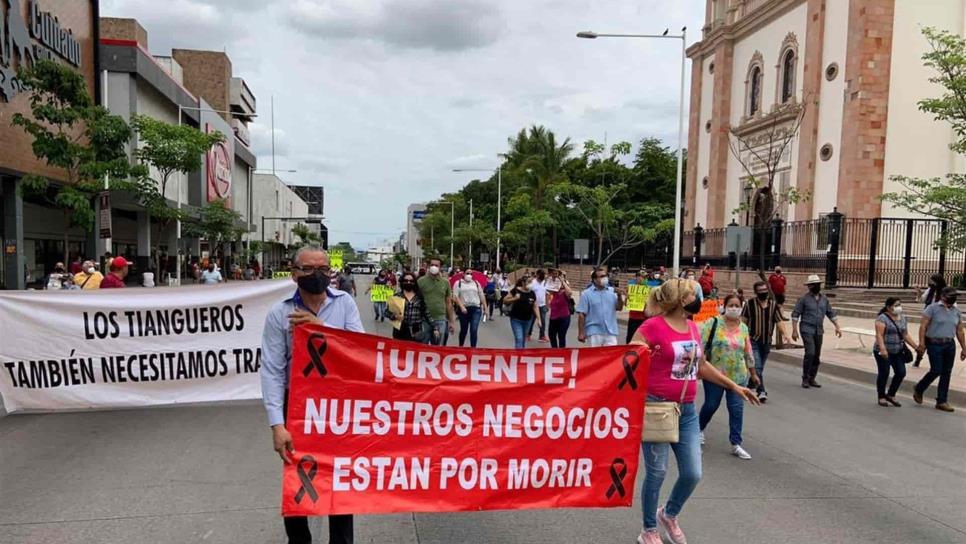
column 523, row 311
column 414, row 315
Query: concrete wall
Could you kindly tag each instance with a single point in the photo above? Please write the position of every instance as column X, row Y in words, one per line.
column 916, row 144
column 830, row 104
column 272, row 198
column 704, row 144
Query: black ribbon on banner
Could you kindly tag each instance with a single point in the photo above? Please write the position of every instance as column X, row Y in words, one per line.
column 316, row 347
column 630, row 361
column 618, row 470
column 307, row 476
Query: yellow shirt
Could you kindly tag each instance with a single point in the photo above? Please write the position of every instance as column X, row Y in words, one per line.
column 93, row 283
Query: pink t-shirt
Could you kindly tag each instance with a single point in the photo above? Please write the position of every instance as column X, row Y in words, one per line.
column 675, row 357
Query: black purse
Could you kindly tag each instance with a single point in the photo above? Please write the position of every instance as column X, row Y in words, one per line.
column 906, row 353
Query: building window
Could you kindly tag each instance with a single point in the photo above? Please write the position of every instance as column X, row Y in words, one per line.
column 826, row 152
column 786, row 70
column 788, row 76
column 754, row 94
column 832, row 71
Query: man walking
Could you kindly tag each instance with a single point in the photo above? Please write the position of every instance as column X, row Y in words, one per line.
column 762, row 316
column 438, row 297
column 313, row 302
column 539, row 287
column 777, row 281
column 809, row 315
column 941, row 325
column 597, row 312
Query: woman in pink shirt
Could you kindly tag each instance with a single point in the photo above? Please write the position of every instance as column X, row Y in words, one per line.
column 677, row 361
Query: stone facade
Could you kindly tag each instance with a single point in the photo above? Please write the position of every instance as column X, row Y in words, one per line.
column 867, row 74
column 115, row 28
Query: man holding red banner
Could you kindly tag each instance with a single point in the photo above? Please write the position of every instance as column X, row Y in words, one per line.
column 317, row 303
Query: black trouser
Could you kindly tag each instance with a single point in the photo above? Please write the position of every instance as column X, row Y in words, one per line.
column 813, row 355
column 632, row 326
column 558, row 332
column 885, row 362
column 297, row 527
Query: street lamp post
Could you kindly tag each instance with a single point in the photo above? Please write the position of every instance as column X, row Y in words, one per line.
column 499, row 203
column 680, row 155
column 470, row 256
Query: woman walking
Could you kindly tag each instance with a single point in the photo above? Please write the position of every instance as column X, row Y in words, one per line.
column 890, row 351
column 471, row 306
column 523, row 310
column 676, row 363
column 559, row 315
column 408, row 313
column 727, row 344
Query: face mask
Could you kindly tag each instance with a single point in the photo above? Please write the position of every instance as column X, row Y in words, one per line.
column 605, row 281
column 950, row 300
column 693, row 307
column 815, row 289
column 732, row 312
column 314, row 283
column 762, row 296
column 434, row 270
column 691, row 277
column 408, row 285
column 90, row 270
column 468, row 277
column 897, row 309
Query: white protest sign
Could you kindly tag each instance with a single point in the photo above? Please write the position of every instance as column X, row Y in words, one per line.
column 76, row 350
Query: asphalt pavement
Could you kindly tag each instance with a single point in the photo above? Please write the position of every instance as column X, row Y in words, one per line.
column 828, row 466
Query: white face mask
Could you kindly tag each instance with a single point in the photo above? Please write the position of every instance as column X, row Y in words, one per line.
column 434, row 270
column 90, row 270
column 605, row 281
column 897, row 309
column 468, row 277
column 691, row 277
column 732, row 312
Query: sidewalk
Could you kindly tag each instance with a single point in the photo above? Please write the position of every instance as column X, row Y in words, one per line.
column 847, row 358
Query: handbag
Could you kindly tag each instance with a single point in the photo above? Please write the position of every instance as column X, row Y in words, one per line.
column 905, row 353
column 662, row 420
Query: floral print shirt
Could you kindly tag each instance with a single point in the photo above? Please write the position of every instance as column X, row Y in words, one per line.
column 730, row 350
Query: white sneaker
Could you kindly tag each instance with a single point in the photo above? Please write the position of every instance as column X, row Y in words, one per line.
column 702, row 438
column 740, row 452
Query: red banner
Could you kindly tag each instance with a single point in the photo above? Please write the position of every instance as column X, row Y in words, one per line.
column 383, row 426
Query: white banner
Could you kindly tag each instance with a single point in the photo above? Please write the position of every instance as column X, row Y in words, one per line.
column 76, row 350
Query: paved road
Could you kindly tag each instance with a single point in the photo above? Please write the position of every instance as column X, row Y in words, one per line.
column 829, row 466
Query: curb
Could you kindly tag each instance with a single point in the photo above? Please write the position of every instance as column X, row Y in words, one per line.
column 956, row 396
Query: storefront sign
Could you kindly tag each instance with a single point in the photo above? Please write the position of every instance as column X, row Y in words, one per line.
column 219, row 170
column 26, row 37
column 104, row 214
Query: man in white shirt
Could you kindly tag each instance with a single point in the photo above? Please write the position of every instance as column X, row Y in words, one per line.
column 539, row 287
column 211, row 276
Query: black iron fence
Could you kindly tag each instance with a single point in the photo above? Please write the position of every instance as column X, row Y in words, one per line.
column 849, row 252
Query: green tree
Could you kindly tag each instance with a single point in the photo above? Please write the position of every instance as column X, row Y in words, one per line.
column 72, row 134
column 305, row 235
column 218, row 224
column 165, row 150
column 943, row 198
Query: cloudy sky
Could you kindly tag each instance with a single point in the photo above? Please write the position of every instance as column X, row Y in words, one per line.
column 378, row 100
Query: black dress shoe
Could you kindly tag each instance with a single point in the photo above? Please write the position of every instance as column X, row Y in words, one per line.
column 813, row 383
column 805, row 384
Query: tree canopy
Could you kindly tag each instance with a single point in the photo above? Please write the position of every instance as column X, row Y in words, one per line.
column 554, row 193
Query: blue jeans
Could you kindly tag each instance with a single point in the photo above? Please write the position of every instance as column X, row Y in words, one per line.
column 519, row 327
column 380, row 309
column 440, row 338
column 470, row 320
column 736, row 410
column 941, row 360
column 760, row 349
column 543, row 323
column 688, row 454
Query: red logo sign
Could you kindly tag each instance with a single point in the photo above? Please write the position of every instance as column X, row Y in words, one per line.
column 219, row 171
